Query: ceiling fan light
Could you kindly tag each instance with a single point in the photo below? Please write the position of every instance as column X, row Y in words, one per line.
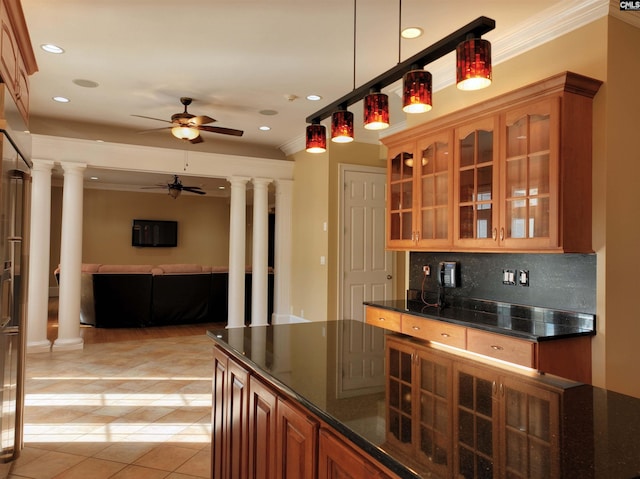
column 185, row 132
column 316, row 138
column 174, row 192
column 473, row 64
column 342, row 126
column 416, row 92
column 376, row 111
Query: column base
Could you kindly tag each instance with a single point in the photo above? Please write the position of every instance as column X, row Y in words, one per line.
column 67, row 344
column 38, row 346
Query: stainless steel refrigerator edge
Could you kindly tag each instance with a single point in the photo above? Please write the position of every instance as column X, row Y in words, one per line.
column 14, row 246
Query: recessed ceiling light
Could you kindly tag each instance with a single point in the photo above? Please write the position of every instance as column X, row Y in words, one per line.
column 93, row 178
column 264, row 128
column 61, row 99
column 85, row 83
column 314, row 97
column 222, row 187
column 412, row 32
column 268, row 112
column 51, row 48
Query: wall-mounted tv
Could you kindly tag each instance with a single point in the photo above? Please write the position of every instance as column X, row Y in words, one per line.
column 155, row 233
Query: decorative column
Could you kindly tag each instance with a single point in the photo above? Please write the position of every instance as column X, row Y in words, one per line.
column 282, row 253
column 38, row 282
column 237, row 251
column 260, row 266
column 70, row 258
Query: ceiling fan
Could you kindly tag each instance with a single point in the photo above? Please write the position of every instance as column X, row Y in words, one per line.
column 186, row 126
column 177, row 187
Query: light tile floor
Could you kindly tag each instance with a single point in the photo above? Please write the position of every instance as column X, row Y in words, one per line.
column 132, row 409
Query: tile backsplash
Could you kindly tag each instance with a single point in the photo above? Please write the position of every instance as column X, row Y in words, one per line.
column 557, row 281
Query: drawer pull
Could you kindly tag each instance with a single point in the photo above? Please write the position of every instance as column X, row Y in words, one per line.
column 415, row 328
column 444, row 335
column 381, row 319
column 497, row 348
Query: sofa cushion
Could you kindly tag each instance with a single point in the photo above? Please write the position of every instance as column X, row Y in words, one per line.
column 125, row 268
column 180, row 268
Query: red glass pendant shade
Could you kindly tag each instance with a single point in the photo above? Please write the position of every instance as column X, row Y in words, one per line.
column 316, row 138
column 416, row 91
column 473, row 64
column 342, row 126
column 376, row 111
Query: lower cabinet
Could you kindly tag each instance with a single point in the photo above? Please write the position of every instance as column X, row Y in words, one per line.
column 462, row 419
column 259, row 434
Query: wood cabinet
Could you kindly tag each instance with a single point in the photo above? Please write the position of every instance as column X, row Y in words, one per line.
column 17, row 60
column 296, row 443
column 262, row 431
column 230, row 417
column 419, row 405
column 337, row 460
column 569, row 357
column 516, row 168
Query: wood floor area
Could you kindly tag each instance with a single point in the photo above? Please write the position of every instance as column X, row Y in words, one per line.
column 109, row 335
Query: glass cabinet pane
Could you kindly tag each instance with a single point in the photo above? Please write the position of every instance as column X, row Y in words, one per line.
column 539, row 133
column 434, row 191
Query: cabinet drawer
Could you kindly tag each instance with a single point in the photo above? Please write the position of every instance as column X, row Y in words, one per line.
column 383, row 318
column 517, row 351
column 436, row 331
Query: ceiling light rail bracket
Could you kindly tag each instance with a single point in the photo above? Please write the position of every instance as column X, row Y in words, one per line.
column 474, row 29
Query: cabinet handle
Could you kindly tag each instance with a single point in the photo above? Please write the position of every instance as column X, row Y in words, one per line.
column 415, row 328
column 444, row 335
column 501, row 234
column 497, row 348
column 494, row 387
column 417, row 236
column 494, row 233
column 501, row 389
column 381, row 319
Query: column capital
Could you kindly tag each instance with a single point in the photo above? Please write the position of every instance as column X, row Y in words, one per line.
column 71, row 167
column 42, row 165
column 238, row 180
column 261, row 181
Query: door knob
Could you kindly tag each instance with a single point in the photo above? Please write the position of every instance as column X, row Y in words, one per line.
column 389, row 276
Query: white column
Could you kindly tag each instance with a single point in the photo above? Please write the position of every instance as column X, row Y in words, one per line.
column 39, row 274
column 70, row 259
column 282, row 253
column 237, row 250
column 260, row 260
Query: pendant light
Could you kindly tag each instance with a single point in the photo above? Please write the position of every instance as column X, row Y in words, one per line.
column 416, row 91
column 473, row 64
column 342, row 126
column 316, row 138
column 376, row 111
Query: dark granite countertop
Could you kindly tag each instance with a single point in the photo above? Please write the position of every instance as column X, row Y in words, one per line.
column 537, row 324
column 306, row 363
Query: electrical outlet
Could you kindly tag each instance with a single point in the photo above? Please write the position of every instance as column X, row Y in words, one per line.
column 426, row 269
column 523, row 277
column 509, row 277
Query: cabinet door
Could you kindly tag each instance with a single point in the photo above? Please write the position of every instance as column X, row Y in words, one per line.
column 296, row 443
column 262, row 431
column 237, row 416
column 400, row 197
column 434, row 431
column 338, row 461
column 529, row 209
column 433, row 215
column 475, row 423
column 218, row 411
column 476, row 186
column 400, row 395
column 530, row 430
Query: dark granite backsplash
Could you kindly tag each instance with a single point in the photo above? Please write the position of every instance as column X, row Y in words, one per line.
column 557, row 281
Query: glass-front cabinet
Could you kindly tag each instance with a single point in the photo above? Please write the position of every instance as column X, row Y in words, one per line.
column 476, row 185
column 510, row 174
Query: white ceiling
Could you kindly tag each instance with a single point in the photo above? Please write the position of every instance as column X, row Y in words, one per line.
column 234, row 57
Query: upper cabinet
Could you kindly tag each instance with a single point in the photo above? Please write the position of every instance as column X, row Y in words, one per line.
column 17, row 60
column 510, row 174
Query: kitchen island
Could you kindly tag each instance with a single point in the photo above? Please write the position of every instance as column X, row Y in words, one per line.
column 342, row 397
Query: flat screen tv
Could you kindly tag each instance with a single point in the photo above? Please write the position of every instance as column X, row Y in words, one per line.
column 154, row 233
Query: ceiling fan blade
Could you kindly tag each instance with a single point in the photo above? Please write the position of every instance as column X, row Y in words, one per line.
column 201, row 120
column 151, row 118
column 221, row 130
column 196, row 140
column 158, row 187
column 193, row 189
column 155, row 129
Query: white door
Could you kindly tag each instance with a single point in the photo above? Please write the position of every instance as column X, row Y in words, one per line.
column 366, row 275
